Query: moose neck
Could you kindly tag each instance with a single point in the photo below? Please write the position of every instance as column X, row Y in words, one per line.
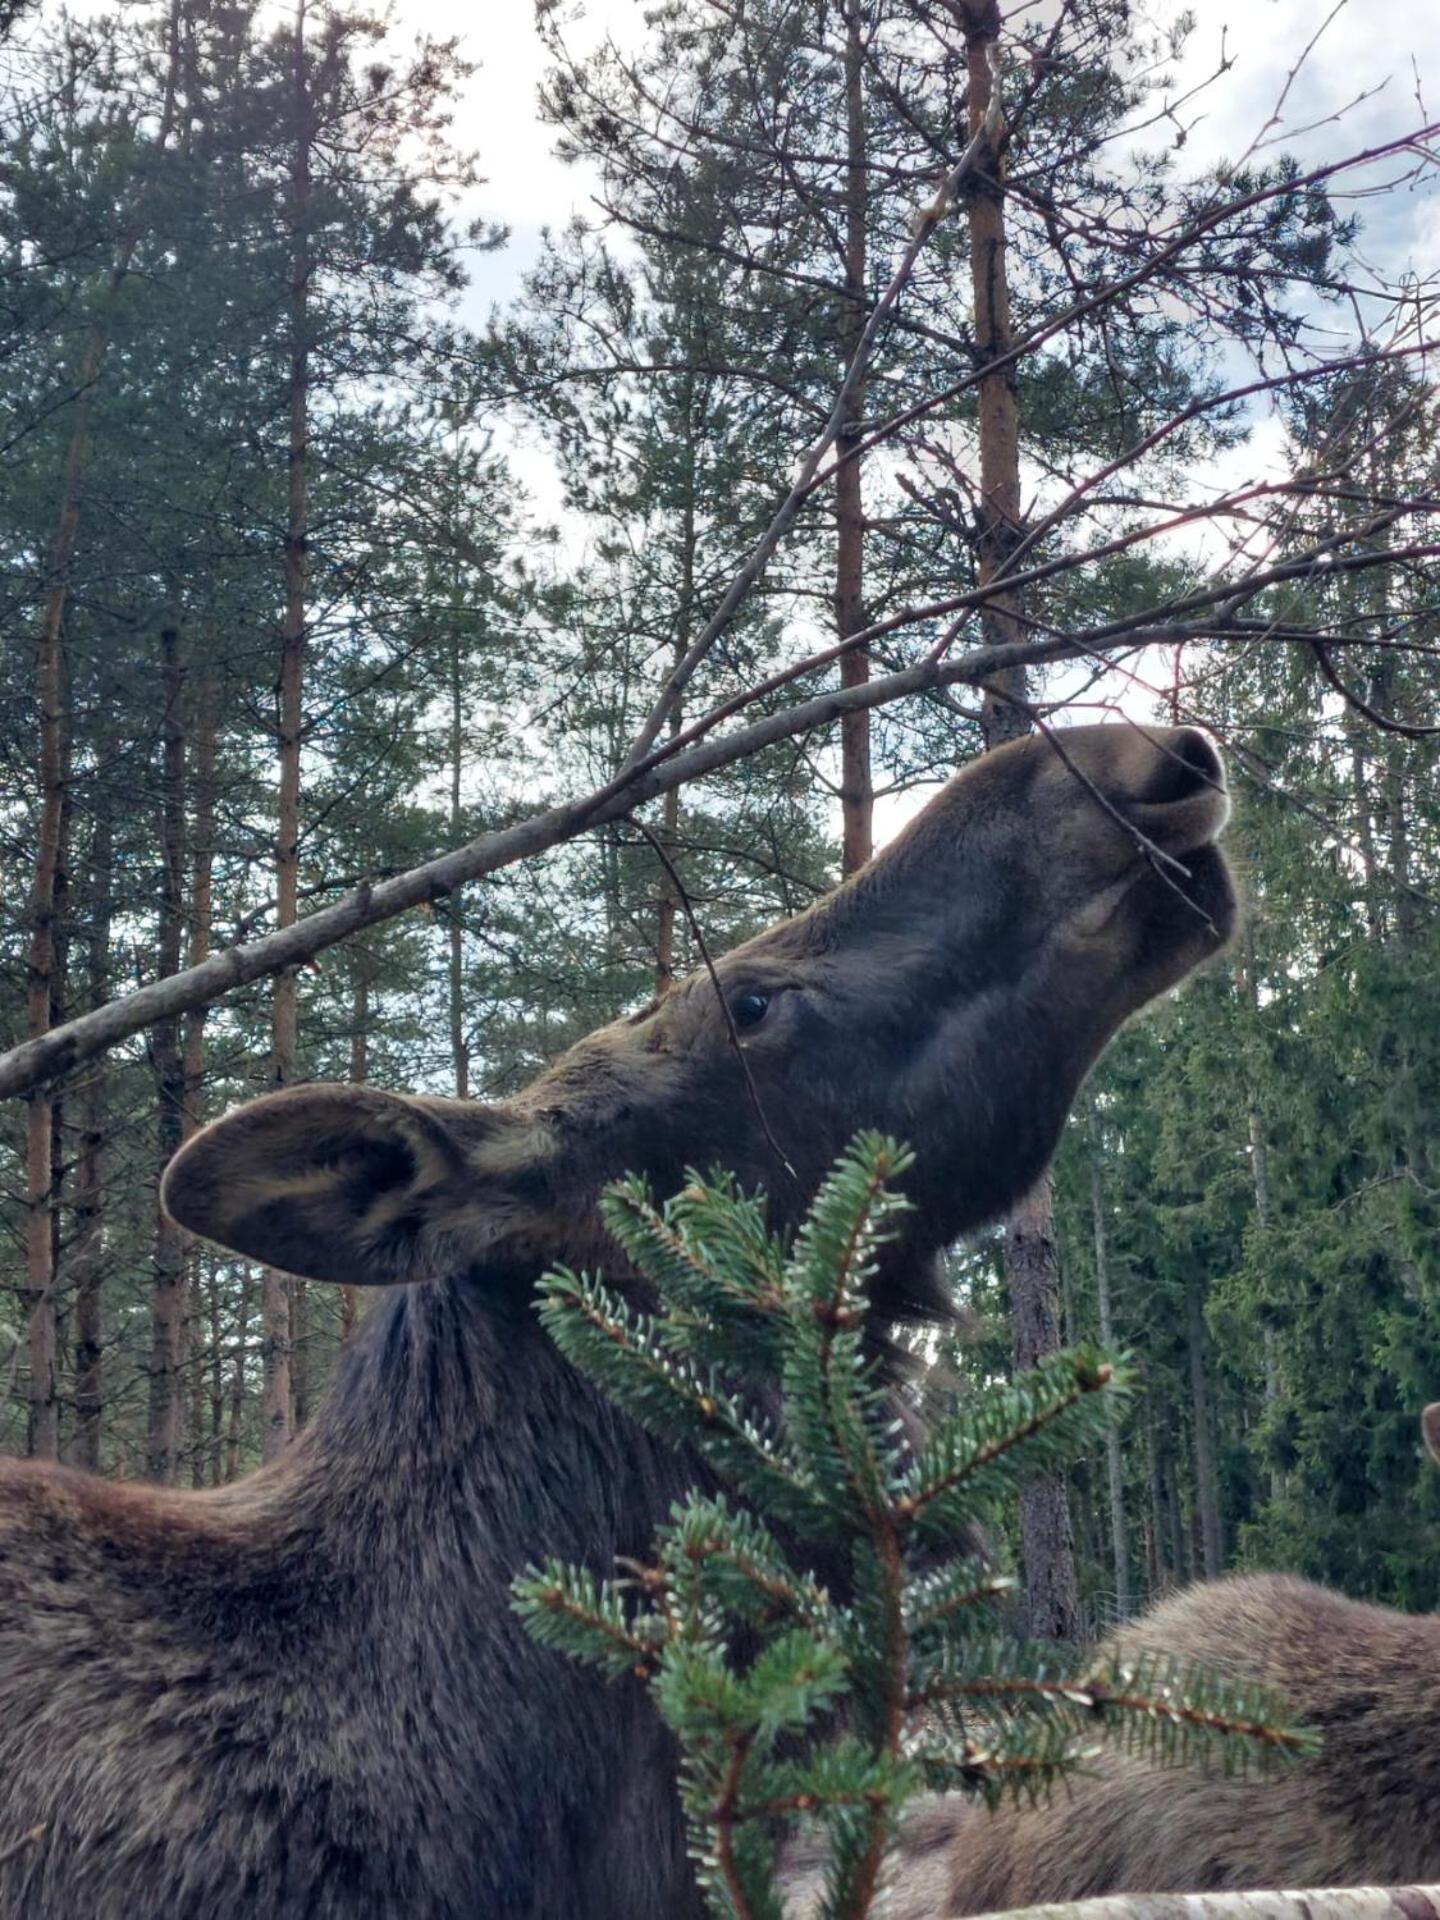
column 457, row 1448
column 455, row 1417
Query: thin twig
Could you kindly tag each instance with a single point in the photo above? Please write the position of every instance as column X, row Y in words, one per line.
column 1353, row 699
column 808, row 474
column 687, row 908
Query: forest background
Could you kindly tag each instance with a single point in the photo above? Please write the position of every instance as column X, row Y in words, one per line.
column 340, row 530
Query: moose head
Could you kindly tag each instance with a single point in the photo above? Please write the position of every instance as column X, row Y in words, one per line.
column 953, row 993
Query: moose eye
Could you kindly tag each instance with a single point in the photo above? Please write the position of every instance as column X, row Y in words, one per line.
column 749, row 1009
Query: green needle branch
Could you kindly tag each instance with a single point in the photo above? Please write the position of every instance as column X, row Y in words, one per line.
column 819, row 1631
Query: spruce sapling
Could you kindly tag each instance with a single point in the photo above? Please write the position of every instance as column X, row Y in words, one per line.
column 791, row 1700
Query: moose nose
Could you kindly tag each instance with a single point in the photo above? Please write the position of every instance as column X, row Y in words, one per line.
column 1186, row 764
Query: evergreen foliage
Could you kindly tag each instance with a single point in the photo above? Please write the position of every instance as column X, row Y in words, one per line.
column 817, row 1623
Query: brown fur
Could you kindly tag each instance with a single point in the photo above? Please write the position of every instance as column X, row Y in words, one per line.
column 307, row 1694
column 1367, row 1678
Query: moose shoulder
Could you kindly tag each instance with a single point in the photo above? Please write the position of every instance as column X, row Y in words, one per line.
column 307, row 1693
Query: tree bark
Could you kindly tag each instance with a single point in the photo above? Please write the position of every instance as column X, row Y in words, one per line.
column 667, row 899
column 40, row 989
column 1207, row 1484
column 1260, row 1177
column 998, row 414
column 1052, row 1598
column 216, row 1369
column 1031, row 1259
column 278, row 1293
column 359, row 1074
column 167, row 1313
column 1159, row 1574
column 459, row 1046
column 237, row 1380
column 204, row 729
column 40, row 1274
column 208, row 1378
column 87, row 1262
column 1114, row 1471
column 857, row 796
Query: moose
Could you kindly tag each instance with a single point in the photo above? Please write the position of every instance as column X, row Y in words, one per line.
column 1367, row 1678
column 307, row 1693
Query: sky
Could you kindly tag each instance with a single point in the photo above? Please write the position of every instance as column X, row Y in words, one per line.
column 1373, row 73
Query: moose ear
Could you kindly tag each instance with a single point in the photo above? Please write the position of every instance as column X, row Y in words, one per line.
column 348, row 1184
column 1430, row 1429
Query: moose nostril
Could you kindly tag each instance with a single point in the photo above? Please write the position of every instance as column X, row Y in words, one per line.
column 1187, row 764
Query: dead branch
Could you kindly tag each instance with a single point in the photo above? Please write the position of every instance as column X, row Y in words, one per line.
column 66, row 1047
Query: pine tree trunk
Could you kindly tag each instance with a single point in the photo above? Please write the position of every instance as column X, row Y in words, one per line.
column 204, row 729
column 459, row 1046
column 359, row 1074
column 278, row 1294
column 40, row 1225
column 1207, row 1484
column 1260, row 1176
column 237, row 1380
column 217, row 1382
column 204, row 732
column 1182, row 1537
column 1158, row 1571
column 1052, row 1598
column 1114, row 1470
column 1364, row 826
column 199, row 1356
column 42, row 966
column 667, row 899
column 857, row 797
column 87, row 1267
column 1031, row 1261
column 998, row 412
column 168, row 1297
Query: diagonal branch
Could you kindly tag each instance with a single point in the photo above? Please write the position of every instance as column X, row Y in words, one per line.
column 68, row 1046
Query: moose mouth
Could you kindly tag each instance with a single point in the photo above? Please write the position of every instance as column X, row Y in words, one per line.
column 1181, row 812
